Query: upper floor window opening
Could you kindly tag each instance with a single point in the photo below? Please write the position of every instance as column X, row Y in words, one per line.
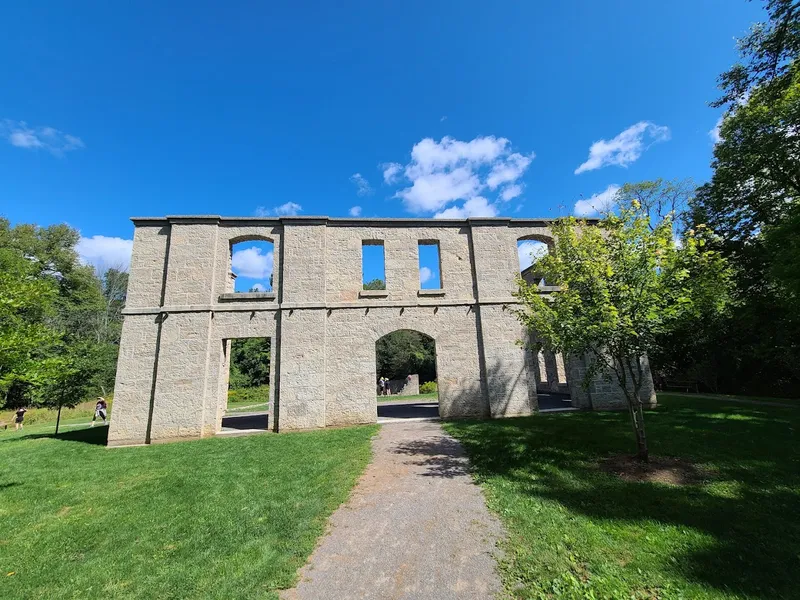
column 252, row 265
column 528, row 252
column 430, row 265
column 373, row 265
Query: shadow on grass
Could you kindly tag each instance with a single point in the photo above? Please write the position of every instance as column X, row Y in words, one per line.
column 91, row 435
column 751, row 507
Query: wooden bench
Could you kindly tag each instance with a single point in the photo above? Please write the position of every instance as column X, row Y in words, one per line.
column 686, row 385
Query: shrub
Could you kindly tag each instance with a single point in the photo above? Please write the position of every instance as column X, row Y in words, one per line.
column 429, row 387
column 251, row 395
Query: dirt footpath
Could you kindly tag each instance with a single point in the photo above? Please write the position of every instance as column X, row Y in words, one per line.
column 415, row 527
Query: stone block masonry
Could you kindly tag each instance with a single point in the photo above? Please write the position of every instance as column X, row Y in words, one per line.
column 172, row 377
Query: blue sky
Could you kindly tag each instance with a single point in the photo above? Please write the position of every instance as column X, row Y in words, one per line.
column 526, row 109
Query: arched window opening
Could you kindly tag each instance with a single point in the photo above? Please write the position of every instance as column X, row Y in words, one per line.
column 528, row 252
column 406, row 376
column 252, row 266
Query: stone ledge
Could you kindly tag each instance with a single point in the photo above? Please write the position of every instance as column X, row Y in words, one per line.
column 245, row 296
column 373, row 294
column 379, row 302
column 432, row 292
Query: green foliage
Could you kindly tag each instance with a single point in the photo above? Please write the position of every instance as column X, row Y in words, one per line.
column 623, row 285
column 767, row 53
column 375, row 284
column 429, row 387
column 405, row 352
column 248, row 395
column 142, row 523
column 250, row 362
column 59, row 323
column 753, row 202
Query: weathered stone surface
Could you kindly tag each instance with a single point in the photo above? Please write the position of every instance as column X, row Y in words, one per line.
column 173, row 369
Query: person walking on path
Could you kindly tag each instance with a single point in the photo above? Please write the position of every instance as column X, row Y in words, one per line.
column 100, row 410
column 19, row 418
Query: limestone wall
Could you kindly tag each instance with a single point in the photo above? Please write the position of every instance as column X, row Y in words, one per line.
column 172, row 376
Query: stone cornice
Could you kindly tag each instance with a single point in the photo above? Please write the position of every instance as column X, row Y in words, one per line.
column 351, row 221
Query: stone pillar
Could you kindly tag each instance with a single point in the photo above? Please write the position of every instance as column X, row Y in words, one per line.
column 185, row 401
column 138, row 350
column 505, row 369
column 302, row 330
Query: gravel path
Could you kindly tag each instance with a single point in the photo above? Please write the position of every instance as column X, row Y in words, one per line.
column 416, row 527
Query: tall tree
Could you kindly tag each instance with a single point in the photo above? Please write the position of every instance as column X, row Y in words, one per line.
column 623, row 285
column 59, row 323
column 753, row 202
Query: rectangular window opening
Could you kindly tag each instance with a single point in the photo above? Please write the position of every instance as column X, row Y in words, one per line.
column 430, row 266
column 373, row 265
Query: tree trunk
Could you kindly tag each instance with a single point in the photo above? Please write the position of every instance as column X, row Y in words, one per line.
column 634, row 406
column 58, row 418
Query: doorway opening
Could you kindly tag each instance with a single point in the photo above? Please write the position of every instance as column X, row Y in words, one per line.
column 406, row 376
column 247, row 397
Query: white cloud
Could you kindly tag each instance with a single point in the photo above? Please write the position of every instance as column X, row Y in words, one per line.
column 253, row 262
column 511, row 192
column 450, row 170
column 391, row 172
column 105, row 252
column 286, row 209
column 355, row 211
column 714, row 133
column 444, row 118
column 626, row 148
column 598, row 203
column 424, row 274
column 474, row 207
column 19, row 134
column 433, row 191
column 528, row 250
column 363, row 188
column 506, row 172
column 259, row 287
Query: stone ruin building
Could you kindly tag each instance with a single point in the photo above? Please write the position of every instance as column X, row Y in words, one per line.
column 182, row 313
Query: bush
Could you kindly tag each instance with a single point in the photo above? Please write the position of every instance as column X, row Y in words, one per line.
column 429, row 387
column 251, row 395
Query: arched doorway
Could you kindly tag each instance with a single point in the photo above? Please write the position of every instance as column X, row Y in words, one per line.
column 406, row 381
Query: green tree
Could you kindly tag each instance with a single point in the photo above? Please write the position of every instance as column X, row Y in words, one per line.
column 623, row 285
column 59, row 323
column 375, row 284
column 28, row 342
column 250, row 358
column 753, row 202
column 405, row 352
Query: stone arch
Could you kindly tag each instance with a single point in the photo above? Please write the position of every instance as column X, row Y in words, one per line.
column 403, row 375
column 386, row 326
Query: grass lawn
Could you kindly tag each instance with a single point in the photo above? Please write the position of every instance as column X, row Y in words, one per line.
column 245, row 405
column 36, row 417
column 434, row 397
column 577, row 532
column 215, row 518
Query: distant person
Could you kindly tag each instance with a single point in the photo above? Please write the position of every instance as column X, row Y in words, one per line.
column 381, row 385
column 100, row 410
column 19, row 418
